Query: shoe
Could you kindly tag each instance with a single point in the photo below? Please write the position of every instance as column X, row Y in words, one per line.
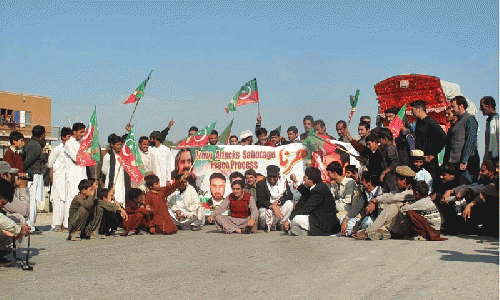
column 419, row 238
column 195, row 228
column 361, row 235
column 297, row 231
column 75, row 236
column 246, row 230
column 56, row 229
column 37, row 231
column 4, row 262
column 379, row 235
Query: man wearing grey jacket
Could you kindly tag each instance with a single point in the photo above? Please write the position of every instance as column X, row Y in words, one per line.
column 33, row 161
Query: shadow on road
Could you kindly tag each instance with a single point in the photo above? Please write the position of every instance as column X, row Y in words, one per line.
column 487, row 255
column 459, row 256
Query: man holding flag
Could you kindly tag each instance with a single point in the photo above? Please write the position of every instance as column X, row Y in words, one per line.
column 74, row 171
column 112, row 168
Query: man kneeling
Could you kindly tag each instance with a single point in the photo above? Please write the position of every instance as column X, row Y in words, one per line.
column 243, row 210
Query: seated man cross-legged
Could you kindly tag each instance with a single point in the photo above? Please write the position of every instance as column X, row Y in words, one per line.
column 315, row 212
column 242, row 208
column 185, row 207
column 273, row 200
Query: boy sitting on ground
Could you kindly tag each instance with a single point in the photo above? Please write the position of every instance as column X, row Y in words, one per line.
column 80, row 210
column 138, row 213
column 108, row 214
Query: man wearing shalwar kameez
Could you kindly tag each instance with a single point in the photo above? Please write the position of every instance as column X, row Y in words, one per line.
column 74, row 173
column 58, row 162
column 114, row 171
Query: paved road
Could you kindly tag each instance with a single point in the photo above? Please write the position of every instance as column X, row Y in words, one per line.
column 209, row 265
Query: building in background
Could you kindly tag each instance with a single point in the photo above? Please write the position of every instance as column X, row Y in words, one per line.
column 21, row 112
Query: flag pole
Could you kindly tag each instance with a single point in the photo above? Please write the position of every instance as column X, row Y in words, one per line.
column 133, row 112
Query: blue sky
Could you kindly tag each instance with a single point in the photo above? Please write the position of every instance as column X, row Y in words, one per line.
column 308, row 57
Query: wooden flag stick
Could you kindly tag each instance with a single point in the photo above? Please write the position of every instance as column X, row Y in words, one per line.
column 258, row 109
column 132, row 116
column 116, row 174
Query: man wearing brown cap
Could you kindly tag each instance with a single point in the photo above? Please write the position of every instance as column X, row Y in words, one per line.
column 390, row 220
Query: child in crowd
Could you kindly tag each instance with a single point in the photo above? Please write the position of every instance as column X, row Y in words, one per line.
column 80, row 210
column 138, row 213
column 417, row 164
column 13, row 155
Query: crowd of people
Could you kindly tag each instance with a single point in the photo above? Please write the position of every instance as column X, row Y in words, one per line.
column 400, row 189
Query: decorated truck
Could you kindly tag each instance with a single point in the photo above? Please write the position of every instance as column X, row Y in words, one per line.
column 404, row 89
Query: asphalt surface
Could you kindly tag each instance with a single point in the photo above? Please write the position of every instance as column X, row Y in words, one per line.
column 210, row 265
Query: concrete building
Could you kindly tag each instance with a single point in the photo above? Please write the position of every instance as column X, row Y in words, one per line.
column 21, row 112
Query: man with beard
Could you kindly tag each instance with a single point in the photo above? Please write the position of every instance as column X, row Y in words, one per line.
column 462, row 145
column 74, row 173
column 273, row 199
column 33, row 162
column 491, row 142
column 217, row 190
column 162, row 156
column 315, row 212
column 417, row 161
column 341, row 127
column 320, row 129
column 429, row 136
column 185, row 207
column 116, row 177
column 183, row 161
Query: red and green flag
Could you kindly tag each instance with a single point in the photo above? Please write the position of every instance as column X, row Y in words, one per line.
column 316, row 143
column 397, row 122
column 199, row 139
column 130, row 158
column 247, row 94
column 354, row 102
column 139, row 91
column 89, row 152
column 224, row 136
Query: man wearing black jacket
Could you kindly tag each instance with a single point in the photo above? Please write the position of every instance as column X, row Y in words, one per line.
column 315, row 212
column 273, row 199
column 429, row 137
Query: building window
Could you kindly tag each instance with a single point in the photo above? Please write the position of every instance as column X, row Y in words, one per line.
column 28, row 118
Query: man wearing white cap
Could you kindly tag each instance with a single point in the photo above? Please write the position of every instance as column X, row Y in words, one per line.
column 246, row 138
column 417, row 165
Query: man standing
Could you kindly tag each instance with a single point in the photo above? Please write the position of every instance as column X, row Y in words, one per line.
column 315, row 212
column 34, row 166
column 462, row 147
column 293, row 135
column 74, row 173
column 116, row 177
column 162, row 156
column 214, row 138
column 58, row 162
column 233, row 140
column 273, row 199
column 308, row 124
column 246, row 138
column 320, row 129
column 429, row 136
column 341, row 127
column 363, row 132
column 488, row 106
column 251, row 182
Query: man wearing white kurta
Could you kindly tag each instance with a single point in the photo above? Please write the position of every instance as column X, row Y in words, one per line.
column 74, row 172
column 162, row 158
column 116, row 176
column 185, row 207
column 58, row 162
column 147, row 161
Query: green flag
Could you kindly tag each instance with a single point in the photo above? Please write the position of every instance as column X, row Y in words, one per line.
column 224, row 136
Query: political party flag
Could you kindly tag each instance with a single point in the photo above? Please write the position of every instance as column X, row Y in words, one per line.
column 397, row 122
column 139, row 91
column 199, row 139
column 89, row 152
column 278, row 130
column 316, row 143
column 247, row 94
column 354, row 102
column 130, row 158
column 224, row 136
